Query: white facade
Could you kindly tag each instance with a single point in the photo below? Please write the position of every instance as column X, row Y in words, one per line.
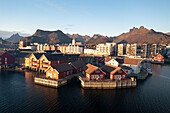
column 135, row 68
column 72, row 48
column 112, row 62
column 105, row 49
column 89, row 51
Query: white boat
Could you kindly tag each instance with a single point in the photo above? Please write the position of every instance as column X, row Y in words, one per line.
column 149, row 70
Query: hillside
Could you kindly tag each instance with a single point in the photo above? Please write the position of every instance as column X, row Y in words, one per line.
column 79, row 38
column 50, row 37
column 97, row 38
column 143, row 35
column 14, row 38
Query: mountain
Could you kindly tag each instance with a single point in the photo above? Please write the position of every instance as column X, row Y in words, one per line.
column 97, row 38
column 143, row 35
column 14, row 38
column 168, row 33
column 50, row 37
column 79, row 38
column 7, row 34
column 4, row 41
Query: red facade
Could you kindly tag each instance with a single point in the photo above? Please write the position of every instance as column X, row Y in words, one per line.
column 118, row 75
column 57, row 62
column 99, row 75
column 7, row 59
column 65, row 74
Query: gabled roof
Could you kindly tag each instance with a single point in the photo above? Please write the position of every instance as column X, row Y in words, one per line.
column 37, row 55
column 111, row 69
column 119, row 60
column 54, row 57
column 108, row 69
column 62, row 67
column 2, row 52
column 131, row 61
column 125, row 67
column 28, row 55
column 78, row 64
column 91, row 68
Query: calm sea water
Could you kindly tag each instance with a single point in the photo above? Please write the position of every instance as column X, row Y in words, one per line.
column 18, row 93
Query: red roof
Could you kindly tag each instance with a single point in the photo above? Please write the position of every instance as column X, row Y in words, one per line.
column 132, row 61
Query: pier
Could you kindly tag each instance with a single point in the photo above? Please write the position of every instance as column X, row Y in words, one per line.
column 107, row 84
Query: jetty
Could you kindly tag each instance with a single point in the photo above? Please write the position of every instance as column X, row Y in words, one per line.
column 107, row 84
column 55, row 83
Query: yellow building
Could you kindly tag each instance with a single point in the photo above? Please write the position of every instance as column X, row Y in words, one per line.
column 27, row 60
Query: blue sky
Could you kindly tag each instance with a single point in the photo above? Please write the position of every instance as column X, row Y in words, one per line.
column 106, row 17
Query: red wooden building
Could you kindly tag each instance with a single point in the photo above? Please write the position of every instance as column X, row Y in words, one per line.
column 114, row 72
column 6, row 58
column 59, row 71
column 78, row 66
column 158, row 58
column 93, row 72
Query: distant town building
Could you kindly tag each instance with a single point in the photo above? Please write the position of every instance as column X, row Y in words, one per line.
column 153, row 50
column 120, row 51
column 72, row 48
column 145, row 51
column 106, row 49
column 131, row 49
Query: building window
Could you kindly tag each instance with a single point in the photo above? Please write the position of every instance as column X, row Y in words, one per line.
column 92, row 76
column 5, row 60
column 83, row 72
column 67, row 72
column 123, row 76
column 120, row 71
column 50, row 75
column 101, row 76
column 54, row 75
column 0, row 62
column 51, row 69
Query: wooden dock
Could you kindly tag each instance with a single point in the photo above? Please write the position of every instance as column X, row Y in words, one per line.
column 107, row 84
column 50, row 82
column 42, row 80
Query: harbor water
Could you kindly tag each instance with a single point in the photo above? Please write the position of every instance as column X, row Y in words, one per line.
column 18, row 93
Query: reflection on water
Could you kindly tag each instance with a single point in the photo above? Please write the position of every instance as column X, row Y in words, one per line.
column 18, row 93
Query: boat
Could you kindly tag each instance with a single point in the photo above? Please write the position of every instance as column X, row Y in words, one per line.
column 149, row 70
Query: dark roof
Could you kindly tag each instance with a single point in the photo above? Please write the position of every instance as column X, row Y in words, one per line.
column 50, row 51
column 78, row 64
column 21, row 55
column 120, row 60
column 38, row 55
column 108, row 69
column 126, row 67
column 62, row 67
column 54, row 57
column 25, row 50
